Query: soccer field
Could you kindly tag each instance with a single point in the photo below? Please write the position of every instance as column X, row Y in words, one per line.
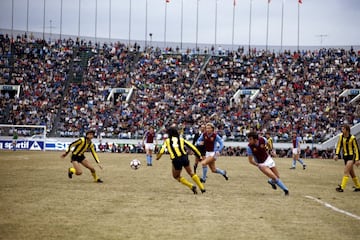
column 39, row 201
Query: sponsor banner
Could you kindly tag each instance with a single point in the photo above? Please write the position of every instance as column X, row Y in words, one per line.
column 22, row 145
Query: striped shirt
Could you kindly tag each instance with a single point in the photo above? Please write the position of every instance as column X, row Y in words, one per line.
column 176, row 149
column 82, row 145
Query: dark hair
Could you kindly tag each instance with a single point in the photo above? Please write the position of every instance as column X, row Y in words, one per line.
column 346, row 127
column 173, row 132
column 253, row 135
column 90, row 131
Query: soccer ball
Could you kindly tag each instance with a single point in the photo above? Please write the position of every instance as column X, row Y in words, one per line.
column 135, row 164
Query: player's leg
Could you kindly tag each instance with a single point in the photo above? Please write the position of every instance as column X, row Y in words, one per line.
column 195, row 178
column 270, row 173
column 217, row 170
column 300, row 161
column 88, row 165
column 150, row 154
column 177, row 175
column 204, row 164
column 355, row 179
column 196, row 163
column 294, row 156
column 345, row 178
column 75, row 169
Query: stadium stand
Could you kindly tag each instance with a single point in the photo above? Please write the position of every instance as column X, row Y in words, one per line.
column 65, row 86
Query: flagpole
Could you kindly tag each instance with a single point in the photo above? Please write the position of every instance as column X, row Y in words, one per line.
column 27, row 16
column 267, row 25
column 146, row 23
column 61, row 12
column 129, row 22
column 12, row 19
column 233, row 27
column 44, row 21
column 216, row 1
column 250, row 27
column 109, row 21
column 197, row 23
column 182, row 23
column 165, row 24
column 96, row 3
column 79, row 19
column 298, row 37
column 282, row 25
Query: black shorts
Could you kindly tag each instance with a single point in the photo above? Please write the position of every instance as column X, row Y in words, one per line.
column 77, row 158
column 348, row 158
column 201, row 149
column 180, row 162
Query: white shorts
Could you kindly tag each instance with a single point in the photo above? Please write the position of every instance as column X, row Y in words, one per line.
column 210, row 154
column 149, row 146
column 295, row 151
column 269, row 162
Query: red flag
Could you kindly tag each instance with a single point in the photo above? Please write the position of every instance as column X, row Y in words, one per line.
column 269, row 1
column 167, row 1
column 300, row 1
column 234, row 2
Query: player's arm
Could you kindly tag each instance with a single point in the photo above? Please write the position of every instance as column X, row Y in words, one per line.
column 356, row 150
column 251, row 157
column 338, row 147
column 200, row 140
column 96, row 157
column 162, row 150
column 73, row 144
column 220, row 142
column 192, row 147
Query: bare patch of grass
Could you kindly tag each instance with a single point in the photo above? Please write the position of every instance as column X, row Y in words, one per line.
column 38, row 201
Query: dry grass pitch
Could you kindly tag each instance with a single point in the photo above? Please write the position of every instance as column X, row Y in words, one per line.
column 38, row 201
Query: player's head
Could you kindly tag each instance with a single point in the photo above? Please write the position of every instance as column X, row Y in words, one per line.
column 173, row 132
column 90, row 133
column 252, row 137
column 345, row 128
column 210, row 128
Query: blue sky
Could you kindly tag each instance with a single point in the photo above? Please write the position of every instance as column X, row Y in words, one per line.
column 335, row 20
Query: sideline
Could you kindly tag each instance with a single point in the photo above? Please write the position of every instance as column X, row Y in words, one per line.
column 334, row 208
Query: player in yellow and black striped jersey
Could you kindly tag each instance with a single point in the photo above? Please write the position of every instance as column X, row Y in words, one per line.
column 176, row 148
column 349, row 148
column 80, row 146
column 270, row 145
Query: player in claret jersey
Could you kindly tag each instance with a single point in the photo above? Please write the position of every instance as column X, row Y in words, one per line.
column 149, row 141
column 259, row 157
column 213, row 145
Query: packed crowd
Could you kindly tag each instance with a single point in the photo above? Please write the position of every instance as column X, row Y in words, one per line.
column 298, row 90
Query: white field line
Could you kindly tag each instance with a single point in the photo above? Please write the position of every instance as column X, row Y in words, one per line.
column 334, row 208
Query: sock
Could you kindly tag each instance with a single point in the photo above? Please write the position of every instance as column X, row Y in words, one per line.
column 150, row 159
column 147, row 159
column 271, row 181
column 344, row 181
column 197, row 181
column 185, row 182
column 94, row 176
column 294, row 163
column 205, row 168
column 73, row 170
column 301, row 161
column 220, row 171
column 281, row 184
column 356, row 182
